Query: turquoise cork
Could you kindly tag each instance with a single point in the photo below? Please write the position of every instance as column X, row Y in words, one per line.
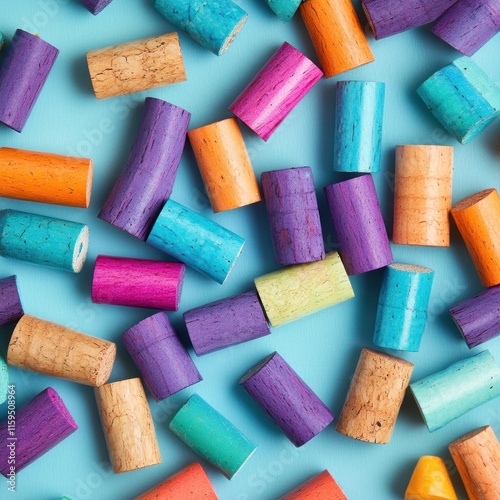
column 462, row 97
column 42, row 240
column 359, row 113
column 4, row 380
column 212, row 436
column 213, row 24
column 402, row 307
column 284, row 9
column 195, row 240
column 452, row 392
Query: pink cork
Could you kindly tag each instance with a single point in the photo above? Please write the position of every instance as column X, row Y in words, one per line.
column 123, row 281
column 278, row 87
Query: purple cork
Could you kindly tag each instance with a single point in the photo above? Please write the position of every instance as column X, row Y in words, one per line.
column 148, row 177
column 389, row 17
column 95, row 6
column 358, row 222
column 40, row 424
column 469, row 24
column 11, row 308
column 23, row 72
column 164, row 363
column 226, row 322
column 478, row 317
column 292, row 210
column 287, row 399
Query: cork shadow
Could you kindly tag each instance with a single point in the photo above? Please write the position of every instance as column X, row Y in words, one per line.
column 81, row 77
column 400, row 482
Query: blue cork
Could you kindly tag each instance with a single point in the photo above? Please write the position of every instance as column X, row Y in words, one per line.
column 195, row 240
column 4, row 380
column 402, row 307
column 462, row 97
column 359, row 113
column 213, row 24
column 284, row 9
column 42, row 240
column 452, row 392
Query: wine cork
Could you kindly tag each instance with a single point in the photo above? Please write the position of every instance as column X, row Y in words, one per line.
column 45, row 241
column 226, row 322
column 430, row 479
column 292, row 211
column 478, row 317
column 195, row 240
column 422, row 195
column 284, row 9
column 40, row 424
column 462, row 97
column 358, row 222
column 446, row 395
column 478, row 220
column 11, row 309
column 127, row 425
column 320, row 486
column 287, row 399
column 224, row 165
column 147, row 179
column 154, row 284
column 136, row 66
column 163, row 361
column 213, row 24
column 357, row 139
column 275, row 91
column 51, row 349
column 23, row 73
column 390, row 17
column 469, row 24
column 337, row 35
column 374, row 398
column 402, row 307
column 212, row 436
column 95, row 6
column 190, row 483
column 297, row 291
column 477, row 457
column 45, row 177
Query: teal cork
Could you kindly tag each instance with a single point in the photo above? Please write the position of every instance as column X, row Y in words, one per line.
column 452, row 392
column 284, row 9
column 42, row 240
column 402, row 307
column 212, row 436
column 462, row 97
column 4, row 380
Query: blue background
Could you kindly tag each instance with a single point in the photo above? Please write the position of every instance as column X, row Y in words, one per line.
column 323, row 348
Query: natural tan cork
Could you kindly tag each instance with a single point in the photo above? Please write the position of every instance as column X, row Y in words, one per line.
column 136, row 66
column 45, row 347
column 477, row 457
column 128, row 426
column 375, row 396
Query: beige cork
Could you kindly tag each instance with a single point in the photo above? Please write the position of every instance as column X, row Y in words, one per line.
column 477, row 457
column 375, row 396
column 224, row 165
column 51, row 349
column 136, row 66
column 128, row 426
column 422, row 195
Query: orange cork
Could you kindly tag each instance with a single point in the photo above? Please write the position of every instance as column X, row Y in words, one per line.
column 224, row 165
column 478, row 220
column 320, row 486
column 477, row 457
column 422, row 195
column 45, row 177
column 191, row 482
column 337, row 35
column 430, row 480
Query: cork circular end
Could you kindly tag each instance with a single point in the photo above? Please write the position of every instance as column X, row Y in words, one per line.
column 471, row 435
column 235, row 258
column 61, row 407
column 80, row 250
column 240, row 466
column 250, row 373
column 369, row 19
column 230, row 39
column 180, row 285
column 106, row 365
column 473, row 199
column 410, row 268
column 90, row 177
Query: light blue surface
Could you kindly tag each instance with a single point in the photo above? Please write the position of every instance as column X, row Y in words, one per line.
column 323, row 348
